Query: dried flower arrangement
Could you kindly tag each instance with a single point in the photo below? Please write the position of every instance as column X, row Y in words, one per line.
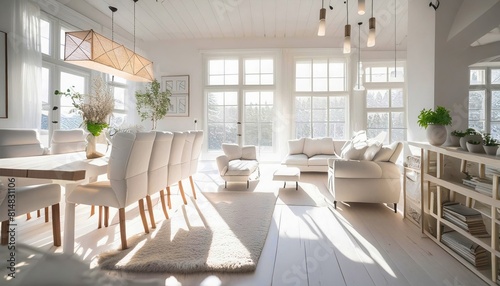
column 95, row 108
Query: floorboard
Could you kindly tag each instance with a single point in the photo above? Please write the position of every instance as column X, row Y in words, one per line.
column 356, row 244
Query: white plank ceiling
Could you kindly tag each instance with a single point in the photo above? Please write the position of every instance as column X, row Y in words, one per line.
column 216, row 19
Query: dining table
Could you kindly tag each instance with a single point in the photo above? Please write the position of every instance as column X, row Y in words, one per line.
column 69, row 170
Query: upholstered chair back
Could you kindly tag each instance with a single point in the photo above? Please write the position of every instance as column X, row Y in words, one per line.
column 67, row 141
column 186, row 154
column 158, row 164
column 128, row 166
column 195, row 154
column 174, row 164
column 20, row 143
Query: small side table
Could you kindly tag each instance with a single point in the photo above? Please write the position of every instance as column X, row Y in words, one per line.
column 287, row 174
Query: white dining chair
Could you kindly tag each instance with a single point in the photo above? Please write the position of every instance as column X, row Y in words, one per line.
column 175, row 165
column 158, row 171
column 28, row 199
column 186, row 158
column 195, row 156
column 127, row 178
column 67, row 141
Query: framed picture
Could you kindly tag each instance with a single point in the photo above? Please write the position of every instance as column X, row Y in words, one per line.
column 3, row 75
column 179, row 87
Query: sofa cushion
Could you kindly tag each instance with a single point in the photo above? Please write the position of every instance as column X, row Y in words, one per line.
column 389, row 153
column 296, row 146
column 241, row 167
column 315, row 146
column 295, row 159
column 320, row 160
column 232, row 151
column 371, row 151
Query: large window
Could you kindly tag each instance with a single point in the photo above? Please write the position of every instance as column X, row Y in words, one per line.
column 484, row 100
column 321, row 99
column 385, row 101
column 240, row 101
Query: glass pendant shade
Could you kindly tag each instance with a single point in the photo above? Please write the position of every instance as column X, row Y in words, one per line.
column 347, row 39
column 361, row 7
column 322, row 22
column 94, row 51
column 371, row 33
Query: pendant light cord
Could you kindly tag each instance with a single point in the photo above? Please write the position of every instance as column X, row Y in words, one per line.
column 112, row 26
column 372, row 8
column 347, row 6
column 135, row 1
column 394, row 38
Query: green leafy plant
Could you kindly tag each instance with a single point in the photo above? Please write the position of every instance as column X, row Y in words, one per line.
column 474, row 142
column 468, row 131
column 440, row 116
column 488, row 140
column 153, row 104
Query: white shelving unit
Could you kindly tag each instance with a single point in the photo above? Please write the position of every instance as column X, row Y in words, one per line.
column 451, row 188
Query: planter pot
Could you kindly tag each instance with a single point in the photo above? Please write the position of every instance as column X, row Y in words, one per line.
column 436, row 134
column 454, row 140
column 475, row 148
column 490, row 150
column 466, row 138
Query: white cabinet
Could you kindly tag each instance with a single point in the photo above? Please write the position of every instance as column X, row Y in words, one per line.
column 443, row 170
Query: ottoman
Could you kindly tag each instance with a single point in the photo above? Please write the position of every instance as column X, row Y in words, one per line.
column 287, row 174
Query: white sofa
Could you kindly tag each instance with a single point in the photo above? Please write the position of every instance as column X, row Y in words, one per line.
column 375, row 181
column 312, row 154
column 238, row 164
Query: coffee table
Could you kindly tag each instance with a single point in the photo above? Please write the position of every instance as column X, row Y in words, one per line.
column 287, row 174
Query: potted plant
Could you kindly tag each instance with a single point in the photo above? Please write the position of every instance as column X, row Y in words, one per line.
column 434, row 121
column 455, row 137
column 153, row 104
column 475, row 146
column 470, row 134
column 490, row 144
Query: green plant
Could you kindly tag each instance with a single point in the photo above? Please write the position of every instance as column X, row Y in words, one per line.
column 468, row 131
column 153, row 104
column 474, row 142
column 440, row 116
column 488, row 140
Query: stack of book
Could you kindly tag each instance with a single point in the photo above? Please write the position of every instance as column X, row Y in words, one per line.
column 466, row 218
column 481, row 185
column 470, row 251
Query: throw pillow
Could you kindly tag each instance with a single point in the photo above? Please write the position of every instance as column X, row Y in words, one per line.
column 296, row 146
column 315, row 146
column 372, row 150
column 232, row 151
column 356, row 139
column 385, row 153
column 354, row 153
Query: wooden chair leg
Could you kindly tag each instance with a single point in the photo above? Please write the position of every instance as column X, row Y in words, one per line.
column 92, row 210
column 46, row 214
column 181, row 189
column 192, row 186
column 150, row 210
column 143, row 216
column 37, row 213
column 56, row 225
column 99, row 223
column 106, row 216
column 5, row 232
column 163, row 206
column 28, row 216
column 168, row 198
column 123, row 230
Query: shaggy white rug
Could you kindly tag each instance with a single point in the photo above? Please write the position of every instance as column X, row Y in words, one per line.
column 223, row 233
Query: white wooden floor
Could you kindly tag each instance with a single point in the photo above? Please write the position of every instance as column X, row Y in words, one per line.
column 356, row 244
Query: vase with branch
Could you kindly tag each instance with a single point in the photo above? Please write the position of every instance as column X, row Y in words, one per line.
column 95, row 109
column 153, row 104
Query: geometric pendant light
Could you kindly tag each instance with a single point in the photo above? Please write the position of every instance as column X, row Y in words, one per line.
column 94, row 51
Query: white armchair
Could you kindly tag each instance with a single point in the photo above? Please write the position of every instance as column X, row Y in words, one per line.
column 66, row 141
column 238, row 164
column 127, row 178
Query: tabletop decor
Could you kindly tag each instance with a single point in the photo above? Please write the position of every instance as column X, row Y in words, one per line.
column 434, row 121
column 95, row 109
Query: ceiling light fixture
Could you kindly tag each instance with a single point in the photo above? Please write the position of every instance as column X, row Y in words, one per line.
column 372, row 30
column 322, row 19
column 94, row 51
column 359, row 85
column 347, row 32
column 361, row 7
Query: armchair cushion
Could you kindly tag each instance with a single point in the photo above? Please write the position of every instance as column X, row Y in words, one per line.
column 241, row 167
column 249, row 153
column 232, row 151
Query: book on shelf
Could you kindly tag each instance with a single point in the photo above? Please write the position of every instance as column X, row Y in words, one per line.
column 465, row 218
column 470, row 251
column 480, row 185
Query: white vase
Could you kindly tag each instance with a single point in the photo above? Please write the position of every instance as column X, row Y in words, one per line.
column 466, row 138
column 454, row 140
column 490, row 150
column 91, row 149
column 436, row 134
column 475, row 148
